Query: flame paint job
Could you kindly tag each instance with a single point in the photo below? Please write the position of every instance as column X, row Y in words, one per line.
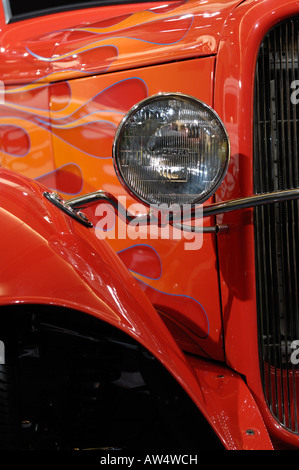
column 185, row 317
column 142, row 259
column 137, row 36
column 78, row 131
column 67, row 179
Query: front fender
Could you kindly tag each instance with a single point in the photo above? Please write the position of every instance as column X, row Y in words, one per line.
column 49, row 258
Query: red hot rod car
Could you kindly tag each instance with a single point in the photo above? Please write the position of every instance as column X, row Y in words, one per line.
column 149, row 189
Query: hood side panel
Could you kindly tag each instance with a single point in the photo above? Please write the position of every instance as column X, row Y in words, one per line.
column 110, row 38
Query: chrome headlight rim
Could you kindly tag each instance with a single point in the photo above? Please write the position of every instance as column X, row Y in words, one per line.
column 134, row 109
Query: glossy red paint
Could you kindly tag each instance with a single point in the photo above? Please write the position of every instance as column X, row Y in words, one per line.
column 67, row 46
column 231, row 407
column 78, row 131
column 240, row 40
column 49, row 258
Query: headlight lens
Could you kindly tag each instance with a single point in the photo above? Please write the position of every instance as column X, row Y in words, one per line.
column 171, row 149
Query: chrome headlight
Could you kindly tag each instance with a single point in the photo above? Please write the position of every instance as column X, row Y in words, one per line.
column 171, row 149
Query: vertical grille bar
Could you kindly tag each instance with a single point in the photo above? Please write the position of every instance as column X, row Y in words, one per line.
column 276, row 167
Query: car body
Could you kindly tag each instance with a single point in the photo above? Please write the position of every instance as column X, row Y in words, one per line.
column 69, row 78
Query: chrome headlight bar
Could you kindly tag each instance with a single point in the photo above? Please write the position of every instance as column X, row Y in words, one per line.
column 81, row 202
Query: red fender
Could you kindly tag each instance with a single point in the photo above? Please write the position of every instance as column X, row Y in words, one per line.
column 47, row 257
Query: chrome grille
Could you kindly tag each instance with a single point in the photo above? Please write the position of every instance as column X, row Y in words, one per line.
column 275, row 154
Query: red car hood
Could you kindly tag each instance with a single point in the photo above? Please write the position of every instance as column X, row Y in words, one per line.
column 98, row 40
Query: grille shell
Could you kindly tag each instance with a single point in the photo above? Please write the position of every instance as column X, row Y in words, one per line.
column 275, row 167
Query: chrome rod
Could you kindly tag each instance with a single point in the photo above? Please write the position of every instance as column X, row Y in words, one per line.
column 251, row 201
column 102, row 197
column 82, row 202
column 191, row 228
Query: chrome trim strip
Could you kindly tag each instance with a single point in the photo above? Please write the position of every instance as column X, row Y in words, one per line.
column 251, row 201
column 100, row 197
column 7, row 11
column 104, row 197
column 211, row 210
